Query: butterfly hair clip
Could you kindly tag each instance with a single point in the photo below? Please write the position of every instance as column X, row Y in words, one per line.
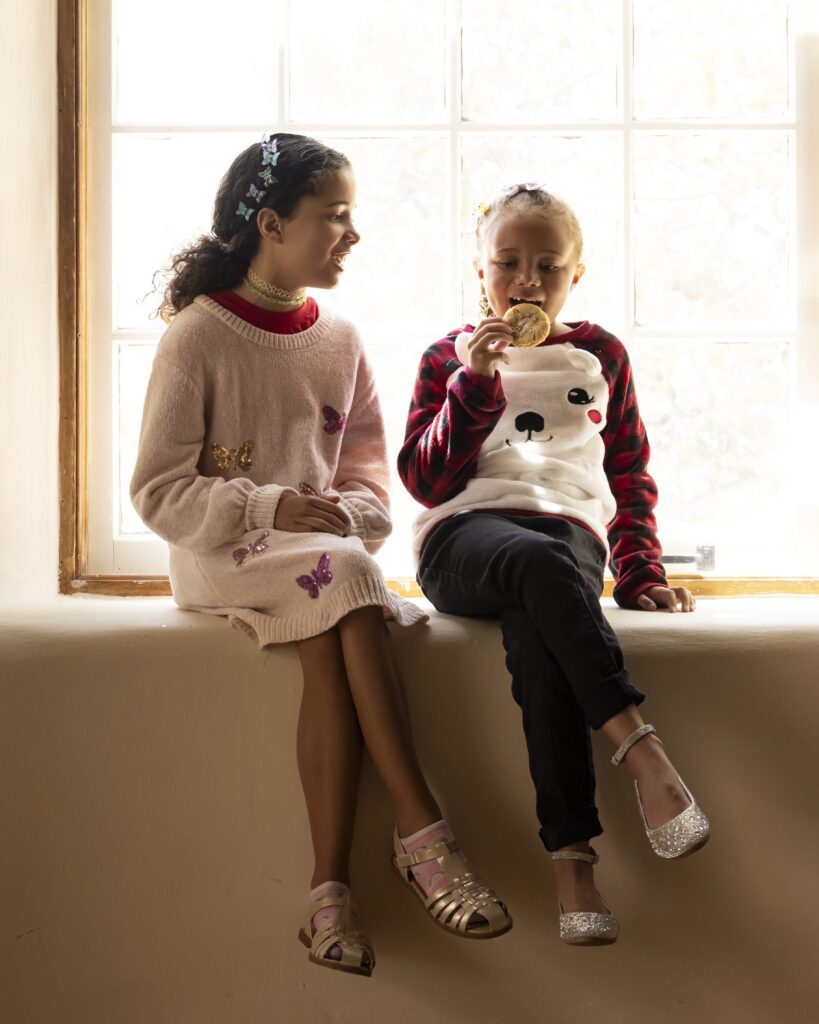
column 335, row 421
column 527, row 186
column 244, row 211
column 267, row 177
column 270, row 151
column 256, row 194
column 319, row 577
column 242, row 555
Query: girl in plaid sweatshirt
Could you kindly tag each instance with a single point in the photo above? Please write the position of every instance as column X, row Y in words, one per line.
column 532, row 465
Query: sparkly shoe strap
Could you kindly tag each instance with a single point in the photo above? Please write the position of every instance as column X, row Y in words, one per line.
column 629, row 742
column 588, row 858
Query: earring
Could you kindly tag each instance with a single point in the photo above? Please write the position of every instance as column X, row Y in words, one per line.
column 483, row 304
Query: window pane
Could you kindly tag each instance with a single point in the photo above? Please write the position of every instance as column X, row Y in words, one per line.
column 717, row 420
column 368, row 62
column 711, row 229
column 152, row 219
column 134, row 369
column 395, row 365
column 396, row 281
column 711, row 60
column 585, row 171
column 542, row 61
column 173, row 64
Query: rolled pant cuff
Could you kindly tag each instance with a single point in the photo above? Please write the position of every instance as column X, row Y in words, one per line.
column 611, row 699
column 573, row 827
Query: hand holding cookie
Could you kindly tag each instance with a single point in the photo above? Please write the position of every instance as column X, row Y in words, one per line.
column 487, row 345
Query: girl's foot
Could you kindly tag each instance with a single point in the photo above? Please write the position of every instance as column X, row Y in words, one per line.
column 336, row 918
column 574, row 882
column 431, row 876
column 674, row 823
column 443, row 869
column 329, row 915
column 662, row 793
column 585, row 920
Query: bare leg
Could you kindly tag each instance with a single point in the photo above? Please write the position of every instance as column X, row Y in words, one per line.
column 376, row 691
column 328, row 749
column 661, row 792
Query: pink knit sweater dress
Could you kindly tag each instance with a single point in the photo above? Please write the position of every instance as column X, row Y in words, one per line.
column 234, row 416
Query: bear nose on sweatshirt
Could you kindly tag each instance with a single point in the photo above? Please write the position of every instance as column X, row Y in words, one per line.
column 530, row 422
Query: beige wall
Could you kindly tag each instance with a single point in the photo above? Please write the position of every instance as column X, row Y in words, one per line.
column 28, row 322
column 155, row 851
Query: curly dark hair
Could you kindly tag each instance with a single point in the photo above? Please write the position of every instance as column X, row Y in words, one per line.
column 220, row 260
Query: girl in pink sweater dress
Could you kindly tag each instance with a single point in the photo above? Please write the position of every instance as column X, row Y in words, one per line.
column 262, row 463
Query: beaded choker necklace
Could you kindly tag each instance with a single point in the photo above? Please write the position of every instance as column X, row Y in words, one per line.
column 270, row 293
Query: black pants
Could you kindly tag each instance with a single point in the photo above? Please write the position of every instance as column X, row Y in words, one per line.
column 543, row 576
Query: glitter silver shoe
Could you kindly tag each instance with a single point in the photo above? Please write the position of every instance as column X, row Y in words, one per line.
column 585, row 927
column 680, row 836
column 683, row 834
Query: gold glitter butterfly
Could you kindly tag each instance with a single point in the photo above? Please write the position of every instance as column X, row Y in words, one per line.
column 234, row 458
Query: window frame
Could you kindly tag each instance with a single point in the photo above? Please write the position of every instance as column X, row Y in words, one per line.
column 73, row 276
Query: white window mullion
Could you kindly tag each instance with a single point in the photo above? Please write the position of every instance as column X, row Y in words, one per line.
column 455, row 107
column 627, row 101
column 283, row 106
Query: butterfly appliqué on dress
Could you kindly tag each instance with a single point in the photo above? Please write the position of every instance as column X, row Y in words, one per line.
column 336, row 421
column 319, row 577
column 234, row 458
column 241, row 555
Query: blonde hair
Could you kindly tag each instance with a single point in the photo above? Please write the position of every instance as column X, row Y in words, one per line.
column 525, row 198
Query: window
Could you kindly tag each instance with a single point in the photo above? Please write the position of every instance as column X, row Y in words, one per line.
column 675, row 146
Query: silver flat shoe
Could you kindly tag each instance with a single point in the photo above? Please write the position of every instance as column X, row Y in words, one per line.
column 585, row 927
column 683, row 834
column 680, row 836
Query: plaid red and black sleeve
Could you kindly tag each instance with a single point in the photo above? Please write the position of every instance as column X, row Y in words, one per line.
column 635, row 547
column 446, row 426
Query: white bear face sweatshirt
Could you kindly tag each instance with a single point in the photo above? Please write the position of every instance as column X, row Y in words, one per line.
column 545, row 454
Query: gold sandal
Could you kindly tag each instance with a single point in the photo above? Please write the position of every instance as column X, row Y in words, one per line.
column 463, row 894
column 345, row 933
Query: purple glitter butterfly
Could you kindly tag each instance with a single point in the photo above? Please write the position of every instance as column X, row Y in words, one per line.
column 270, row 152
column 528, row 186
column 259, row 545
column 319, row 577
column 256, row 194
column 336, row 421
column 307, row 490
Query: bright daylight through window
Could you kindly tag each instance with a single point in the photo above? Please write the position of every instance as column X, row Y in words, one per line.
column 675, row 146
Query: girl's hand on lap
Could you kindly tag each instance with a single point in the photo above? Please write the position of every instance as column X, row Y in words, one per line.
column 666, row 599
column 487, row 346
column 299, row 513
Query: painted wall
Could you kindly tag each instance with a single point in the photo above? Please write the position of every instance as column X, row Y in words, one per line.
column 29, row 511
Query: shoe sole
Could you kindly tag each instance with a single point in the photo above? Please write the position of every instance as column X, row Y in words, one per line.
column 472, row 933
column 590, row 942
column 690, row 850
